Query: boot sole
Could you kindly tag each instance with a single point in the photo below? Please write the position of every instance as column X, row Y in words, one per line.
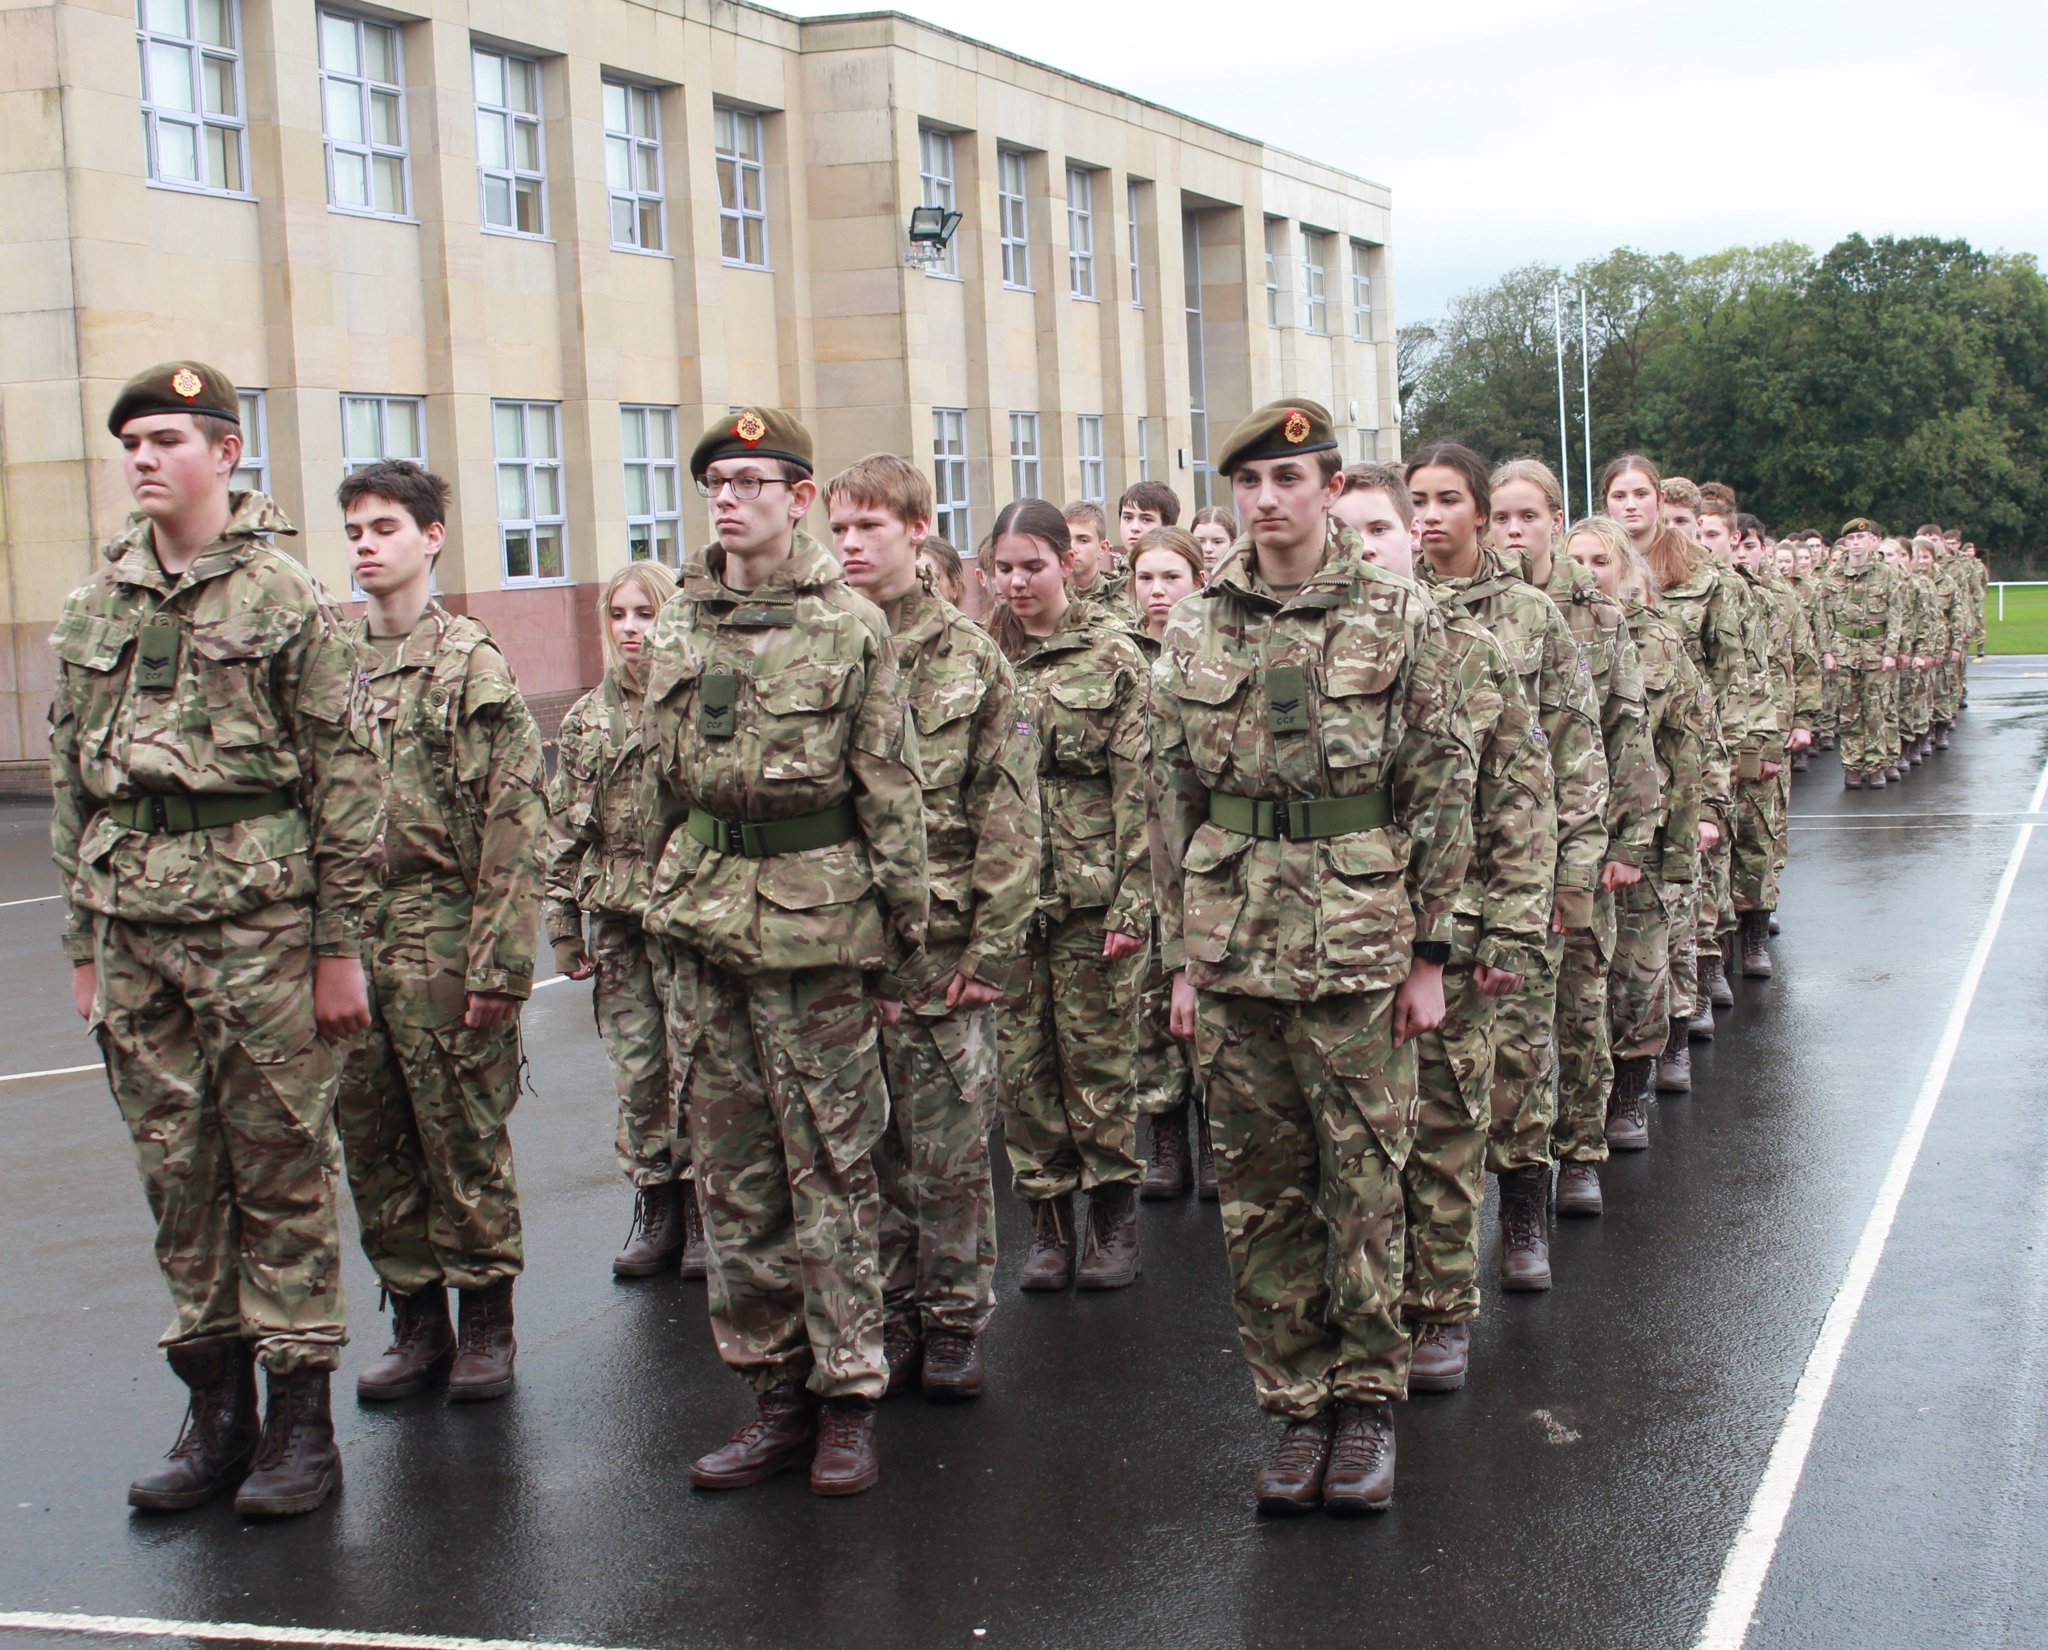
column 1436, row 1383
column 848, row 1486
column 290, row 1506
column 1630, row 1143
column 1044, row 1286
column 1274, row 1506
column 647, row 1268
column 1160, row 1194
column 1525, row 1286
column 479, row 1392
column 1083, row 1281
column 952, row 1392
column 183, row 1500
column 435, row 1376
column 752, row 1476
column 693, row 1271
column 1354, row 1506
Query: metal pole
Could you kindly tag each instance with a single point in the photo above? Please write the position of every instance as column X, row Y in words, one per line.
column 1564, row 448
column 1586, row 402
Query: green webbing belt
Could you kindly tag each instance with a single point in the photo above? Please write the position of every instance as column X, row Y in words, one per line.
column 177, row 812
column 1301, row 820
column 1860, row 632
column 774, row 836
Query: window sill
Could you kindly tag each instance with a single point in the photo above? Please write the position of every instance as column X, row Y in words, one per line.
column 643, row 251
column 1012, row 286
column 373, row 217
column 515, row 234
column 176, row 188
column 1084, row 298
column 736, row 263
column 534, row 584
column 945, row 275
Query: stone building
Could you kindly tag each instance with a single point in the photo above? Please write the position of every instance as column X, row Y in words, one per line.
column 539, row 244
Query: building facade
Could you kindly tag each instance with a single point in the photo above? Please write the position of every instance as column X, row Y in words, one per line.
column 539, row 245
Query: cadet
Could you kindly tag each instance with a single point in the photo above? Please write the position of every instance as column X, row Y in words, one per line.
column 1452, row 491
column 786, row 837
column 450, row 936
column 216, row 820
column 1501, row 933
column 1215, row 530
column 1315, row 778
column 1066, row 1043
column 1860, row 637
column 595, row 865
column 1101, row 575
column 938, row 1221
column 1145, row 506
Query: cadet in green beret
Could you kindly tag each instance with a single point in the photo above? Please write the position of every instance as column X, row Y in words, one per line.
column 1314, row 769
column 217, row 816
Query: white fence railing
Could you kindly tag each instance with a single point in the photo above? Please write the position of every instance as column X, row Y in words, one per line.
column 2016, row 584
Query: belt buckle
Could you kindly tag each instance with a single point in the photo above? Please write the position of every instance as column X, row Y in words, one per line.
column 159, row 815
column 1283, row 824
column 748, row 836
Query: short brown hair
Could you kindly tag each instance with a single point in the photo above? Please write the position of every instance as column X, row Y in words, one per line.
column 1174, row 539
column 1155, row 496
column 1716, row 507
column 947, row 567
column 884, row 482
column 1720, row 490
column 1681, row 492
column 422, row 494
column 213, row 429
column 1382, row 478
column 1086, row 509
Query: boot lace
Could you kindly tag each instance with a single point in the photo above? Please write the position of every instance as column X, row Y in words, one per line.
column 1361, row 1441
column 1521, row 1221
column 277, row 1427
column 478, row 1320
column 948, row 1354
column 839, row 1427
column 1300, row 1446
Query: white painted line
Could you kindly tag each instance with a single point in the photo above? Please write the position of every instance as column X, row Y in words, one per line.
column 40, row 899
column 1749, row 1560
column 242, row 1632
column 552, row 979
column 2011, row 813
column 54, row 1071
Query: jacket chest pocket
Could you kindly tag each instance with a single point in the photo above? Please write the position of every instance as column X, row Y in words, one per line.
column 233, row 659
column 1078, row 714
column 94, row 647
column 1212, row 700
column 945, row 731
column 1357, row 699
column 799, row 722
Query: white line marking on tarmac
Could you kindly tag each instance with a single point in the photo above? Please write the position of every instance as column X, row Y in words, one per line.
column 54, row 1071
column 40, row 899
column 241, row 1632
column 1935, row 813
column 1756, row 1544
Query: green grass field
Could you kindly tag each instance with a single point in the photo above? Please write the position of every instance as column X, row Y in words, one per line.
column 2025, row 629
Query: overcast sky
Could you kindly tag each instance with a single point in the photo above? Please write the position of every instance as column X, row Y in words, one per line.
column 1513, row 132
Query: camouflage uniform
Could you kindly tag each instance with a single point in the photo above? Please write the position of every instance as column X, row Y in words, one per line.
column 424, row 1098
column 1162, row 1074
column 1957, row 592
column 1503, row 920
column 1793, row 675
column 981, row 822
column 1557, row 683
column 781, row 704
column 229, row 682
column 1066, row 1039
column 1861, row 624
column 1296, row 946
column 595, row 864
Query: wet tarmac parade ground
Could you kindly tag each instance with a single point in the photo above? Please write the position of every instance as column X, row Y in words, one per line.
column 1789, row 1392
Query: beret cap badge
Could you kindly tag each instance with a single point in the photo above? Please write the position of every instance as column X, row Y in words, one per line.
column 187, row 383
column 750, row 428
column 1297, row 426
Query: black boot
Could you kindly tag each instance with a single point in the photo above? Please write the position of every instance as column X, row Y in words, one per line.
column 218, row 1439
column 298, row 1466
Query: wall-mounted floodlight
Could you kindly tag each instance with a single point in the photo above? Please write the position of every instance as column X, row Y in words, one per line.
column 931, row 232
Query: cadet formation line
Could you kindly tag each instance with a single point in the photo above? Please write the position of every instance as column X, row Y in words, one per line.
column 1383, row 833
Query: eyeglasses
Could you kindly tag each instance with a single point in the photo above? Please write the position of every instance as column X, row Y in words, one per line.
column 747, row 486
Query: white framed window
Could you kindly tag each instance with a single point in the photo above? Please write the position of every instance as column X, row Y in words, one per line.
column 741, row 142
column 1013, row 216
column 654, row 484
column 252, row 470
column 1088, row 448
column 1276, row 240
column 1198, row 378
column 1080, row 232
column 1361, row 292
column 532, row 524
column 378, row 427
column 1026, row 473
column 952, row 509
column 1315, row 297
column 1145, row 449
column 194, row 128
column 1131, row 230
column 935, row 188
column 362, row 115
column 511, row 155
column 1368, row 446
column 632, row 167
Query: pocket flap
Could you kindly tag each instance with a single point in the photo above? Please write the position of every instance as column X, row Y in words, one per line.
column 948, row 704
column 1212, row 846
column 670, row 670
column 1085, row 692
column 1352, row 678
column 814, row 878
column 91, row 642
column 1364, row 854
column 1210, row 681
column 254, row 635
column 802, row 690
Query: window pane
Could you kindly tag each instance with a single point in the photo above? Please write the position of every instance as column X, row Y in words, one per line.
column 750, row 188
column 402, row 430
column 491, row 149
column 757, row 242
column 645, row 121
column 632, row 432
column 618, row 163
column 647, row 173
column 622, row 222
column 729, row 239
column 548, row 548
column 359, row 421
column 650, row 225
column 488, row 71
column 512, row 493
column 614, row 107
column 661, row 432
column 169, row 17
column 540, row 431
column 351, row 179
column 525, row 146
column 751, row 137
column 520, row 84
column 508, row 429
column 639, row 545
column 344, row 101
column 498, row 202
column 518, row 554
column 170, row 77
column 384, row 123
column 665, row 489
column 526, row 197
column 728, row 184
column 215, row 19
column 722, row 128
column 637, row 501
column 380, row 53
column 224, row 157
column 388, row 173
column 665, row 541
column 547, row 490
column 338, row 44
column 177, row 151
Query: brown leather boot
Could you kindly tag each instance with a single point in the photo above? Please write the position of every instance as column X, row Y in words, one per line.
column 1875, row 779
column 1756, row 948
column 657, row 1236
column 1292, row 1480
column 1719, row 990
column 779, row 1436
column 1438, row 1359
column 903, row 1351
column 218, row 1440
column 1674, row 1065
column 485, row 1350
column 1110, row 1259
column 1578, row 1188
column 1628, row 1111
column 422, row 1347
column 952, row 1366
column 1205, row 1162
column 1361, row 1475
column 1525, row 1229
column 845, row 1462
column 1801, row 761
column 1941, row 737
column 1852, row 779
column 1169, row 1174
column 297, row 1466
column 1050, row 1264
column 1700, row 1028
column 696, row 1259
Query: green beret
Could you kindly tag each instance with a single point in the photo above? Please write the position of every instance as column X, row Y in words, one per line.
column 1279, row 429
column 754, row 432
column 1860, row 524
column 175, row 387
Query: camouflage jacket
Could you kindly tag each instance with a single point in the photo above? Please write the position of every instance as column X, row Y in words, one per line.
column 1959, row 597
column 982, row 823
column 1599, row 627
column 1681, row 713
column 263, row 695
column 1862, row 615
column 1300, row 920
column 1083, row 691
column 463, row 784
column 1557, row 681
column 806, row 711
column 1794, row 666
column 1713, row 612
column 598, row 839
column 1504, row 906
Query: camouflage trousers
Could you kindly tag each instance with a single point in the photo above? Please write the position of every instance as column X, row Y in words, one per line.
column 1639, row 998
column 1443, row 1183
column 783, row 1095
column 1065, row 1039
column 1830, row 718
column 1311, row 1111
column 1524, row 1102
column 423, row 1107
column 1714, row 913
column 1163, row 1073
column 938, row 1223
column 1759, row 851
column 627, row 996
column 1948, row 691
column 1916, row 703
column 228, row 1093
column 1869, row 730
column 1684, row 916
column 1585, row 1060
